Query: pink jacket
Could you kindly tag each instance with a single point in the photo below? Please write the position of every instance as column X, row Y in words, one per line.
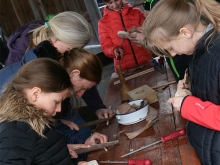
column 205, row 113
column 108, row 27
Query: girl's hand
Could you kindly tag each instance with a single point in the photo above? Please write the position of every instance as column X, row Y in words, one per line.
column 105, row 113
column 73, row 147
column 182, row 89
column 176, row 102
column 70, row 124
column 119, row 53
column 82, row 163
column 96, row 137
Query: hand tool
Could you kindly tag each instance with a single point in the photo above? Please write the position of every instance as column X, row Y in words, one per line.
column 107, row 123
column 131, row 162
column 119, row 56
column 186, row 77
column 162, row 85
column 164, row 139
column 94, row 122
column 96, row 147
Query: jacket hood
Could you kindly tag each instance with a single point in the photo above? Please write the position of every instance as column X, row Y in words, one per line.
column 30, row 55
column 19, row 41
column 15, row 107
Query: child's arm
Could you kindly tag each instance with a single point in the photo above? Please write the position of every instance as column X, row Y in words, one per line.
column 204, row 113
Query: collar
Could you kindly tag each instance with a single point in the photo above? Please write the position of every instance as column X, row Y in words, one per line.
column 30, row 55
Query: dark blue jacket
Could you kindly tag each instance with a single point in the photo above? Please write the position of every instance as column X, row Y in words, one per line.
column 204, row 72
column 7, row 73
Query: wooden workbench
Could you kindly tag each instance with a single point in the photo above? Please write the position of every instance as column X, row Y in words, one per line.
column 175, row 152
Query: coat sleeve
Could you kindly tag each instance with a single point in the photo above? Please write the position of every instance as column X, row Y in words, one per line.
column 15, row 147
column 105, row 40
column 204, row 113
column 93, row 99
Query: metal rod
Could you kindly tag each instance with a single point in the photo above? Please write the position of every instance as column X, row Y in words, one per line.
column 113, row 162
column 141, row 148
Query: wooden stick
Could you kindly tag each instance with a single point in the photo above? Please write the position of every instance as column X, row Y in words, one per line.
column 165, row 84
column 135, row 75
column 132, row 135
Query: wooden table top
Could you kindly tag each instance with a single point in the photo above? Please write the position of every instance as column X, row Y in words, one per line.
column 175, row 152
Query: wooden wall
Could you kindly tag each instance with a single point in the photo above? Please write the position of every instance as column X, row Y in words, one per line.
column 16, row 13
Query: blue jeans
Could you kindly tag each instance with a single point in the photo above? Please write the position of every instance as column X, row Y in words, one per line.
column 68, row 133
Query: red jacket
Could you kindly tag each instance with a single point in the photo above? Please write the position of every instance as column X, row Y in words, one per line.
column 108, row 28
column 205, row 113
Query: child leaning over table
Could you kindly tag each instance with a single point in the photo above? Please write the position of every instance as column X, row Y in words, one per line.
column 28, row 104
column 195, row 31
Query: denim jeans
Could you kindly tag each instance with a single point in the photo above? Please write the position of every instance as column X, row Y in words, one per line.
column 77, row 119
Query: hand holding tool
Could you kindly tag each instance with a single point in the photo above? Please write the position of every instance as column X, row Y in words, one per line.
column 164, row 139
column 107, row 123
column 96, row 147
column 131, row 162
column 186, row 77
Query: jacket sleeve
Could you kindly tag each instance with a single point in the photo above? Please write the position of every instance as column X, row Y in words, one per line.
column 15, row 147
column 93, row 99
column 204, row 113
column 70, row 136
column 105, row 40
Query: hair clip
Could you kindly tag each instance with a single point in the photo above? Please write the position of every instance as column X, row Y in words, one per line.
column 47, row 25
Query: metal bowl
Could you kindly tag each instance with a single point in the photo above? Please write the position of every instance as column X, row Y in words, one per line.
column 133, row 117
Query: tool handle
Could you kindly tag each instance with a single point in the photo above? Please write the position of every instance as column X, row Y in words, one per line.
column 173, row 135
column 139, row 162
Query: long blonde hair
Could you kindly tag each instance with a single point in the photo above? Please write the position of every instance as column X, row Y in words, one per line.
column 68, row 27
column 171, row 15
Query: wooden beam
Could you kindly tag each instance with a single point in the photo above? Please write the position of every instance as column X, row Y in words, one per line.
column 135, row 75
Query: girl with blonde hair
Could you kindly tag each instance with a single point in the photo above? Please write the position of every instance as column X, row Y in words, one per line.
column 66, row 30
column 192, row 27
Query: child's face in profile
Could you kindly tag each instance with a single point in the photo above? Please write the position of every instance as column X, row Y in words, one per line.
column 51, row 102
column 181, row 44
column 80, row 85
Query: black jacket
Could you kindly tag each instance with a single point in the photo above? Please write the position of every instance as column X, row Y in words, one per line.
column 21, row 145
column 205, row 84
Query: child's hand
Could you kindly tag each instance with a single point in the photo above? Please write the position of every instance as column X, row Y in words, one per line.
column 71, row 124
column 119, row 53
column 92, row 140
column 182, row 89
column 73, row 147
column 176, row 102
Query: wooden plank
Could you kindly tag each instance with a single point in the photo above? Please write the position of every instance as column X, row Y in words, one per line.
column 49, row 7
column 69, row 5
column 23, row 11
column 39, row 9
column 8, row 20
column 60, row 5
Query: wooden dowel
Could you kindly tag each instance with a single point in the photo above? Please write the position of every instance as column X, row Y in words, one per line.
column 165, row 84
column 135, row 75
